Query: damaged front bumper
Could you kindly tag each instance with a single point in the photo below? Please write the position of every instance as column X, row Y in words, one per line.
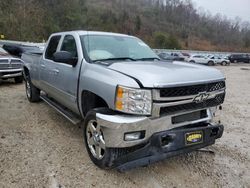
column 162, row 138
column 115, row 126
column 167, row 144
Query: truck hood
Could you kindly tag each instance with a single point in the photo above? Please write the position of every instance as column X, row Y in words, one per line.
column 167, row 74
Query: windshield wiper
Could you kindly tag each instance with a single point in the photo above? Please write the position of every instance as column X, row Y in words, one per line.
column 115, row 59
column 148, row 59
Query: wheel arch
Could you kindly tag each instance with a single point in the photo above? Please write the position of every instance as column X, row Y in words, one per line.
column 25, row 72
column 90, row 100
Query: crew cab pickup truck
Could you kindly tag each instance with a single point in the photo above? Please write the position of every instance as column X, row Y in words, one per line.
column 134, row 108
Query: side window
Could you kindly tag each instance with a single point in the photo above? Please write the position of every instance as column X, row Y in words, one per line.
column 69, row 45
column 51, row 49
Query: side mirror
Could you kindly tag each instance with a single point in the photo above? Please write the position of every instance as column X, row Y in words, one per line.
column 65, row 57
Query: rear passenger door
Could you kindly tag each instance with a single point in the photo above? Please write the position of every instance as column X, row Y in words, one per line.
column 65, row 77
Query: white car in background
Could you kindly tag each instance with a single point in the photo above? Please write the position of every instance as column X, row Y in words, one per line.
column 201, row 59
column 221, row 60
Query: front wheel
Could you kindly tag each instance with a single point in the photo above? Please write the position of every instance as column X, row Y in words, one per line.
column 99, row 154
column 32, row 93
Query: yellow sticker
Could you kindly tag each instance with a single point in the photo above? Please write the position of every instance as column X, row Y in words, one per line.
column 194, row 137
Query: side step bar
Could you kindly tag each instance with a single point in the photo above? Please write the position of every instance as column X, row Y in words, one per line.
column 65, row 112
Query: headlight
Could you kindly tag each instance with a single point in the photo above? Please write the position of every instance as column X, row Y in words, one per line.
column 134, row 101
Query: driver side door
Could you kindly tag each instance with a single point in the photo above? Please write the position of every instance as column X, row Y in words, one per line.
column 65, row 79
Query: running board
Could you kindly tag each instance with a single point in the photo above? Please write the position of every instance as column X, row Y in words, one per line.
column 65, row 112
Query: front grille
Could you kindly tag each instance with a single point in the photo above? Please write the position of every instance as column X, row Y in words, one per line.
column 14, row 64
column 191, row 90
column 4, row 66
column 219, row 99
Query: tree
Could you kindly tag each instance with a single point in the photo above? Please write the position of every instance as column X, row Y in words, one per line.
column 137, row 23
column 160, row 40
column 172, row 42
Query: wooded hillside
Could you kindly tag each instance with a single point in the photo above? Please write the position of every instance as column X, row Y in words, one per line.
column 161, row 23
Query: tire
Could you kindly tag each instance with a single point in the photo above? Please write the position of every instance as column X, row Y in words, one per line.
column 18, row 80
column 223, row 63
column 192, row 61
column 32, row 93
column 96, row 143
column 210, row 63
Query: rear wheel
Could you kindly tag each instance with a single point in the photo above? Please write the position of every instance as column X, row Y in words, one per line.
column 211, row 63
column 223, row 63
column 32, row 93
column 192, row 61
column 94, row 139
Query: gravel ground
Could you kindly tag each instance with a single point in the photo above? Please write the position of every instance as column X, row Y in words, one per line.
column 39, row 148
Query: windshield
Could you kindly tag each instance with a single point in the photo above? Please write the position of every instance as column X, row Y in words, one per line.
column 108, row 47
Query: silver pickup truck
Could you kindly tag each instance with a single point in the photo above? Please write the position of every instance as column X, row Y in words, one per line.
column 134, row 108
column 10, row 67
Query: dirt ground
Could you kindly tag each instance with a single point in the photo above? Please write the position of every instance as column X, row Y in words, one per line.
column 40, row 148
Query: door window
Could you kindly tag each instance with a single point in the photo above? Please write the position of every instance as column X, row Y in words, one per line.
column 51, row 49
column 69, row 45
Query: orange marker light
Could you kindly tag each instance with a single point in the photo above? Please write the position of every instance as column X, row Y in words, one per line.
column 119, row 92
column 118, row 105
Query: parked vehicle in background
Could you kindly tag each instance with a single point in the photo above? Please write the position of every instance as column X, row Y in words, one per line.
column 201, row 59
column 10, row 67
column 185, row 55
column 220, row 60
column 136, row 109
column 171, row 56
column 237, row 58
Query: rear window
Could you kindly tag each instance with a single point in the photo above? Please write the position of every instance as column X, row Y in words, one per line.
column 51, row 49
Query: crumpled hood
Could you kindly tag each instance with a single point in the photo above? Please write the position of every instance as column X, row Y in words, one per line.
column 167, row 74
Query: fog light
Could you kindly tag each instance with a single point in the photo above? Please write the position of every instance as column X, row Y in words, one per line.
column 134, row 136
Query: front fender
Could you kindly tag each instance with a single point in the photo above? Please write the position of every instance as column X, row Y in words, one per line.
column 102, row 82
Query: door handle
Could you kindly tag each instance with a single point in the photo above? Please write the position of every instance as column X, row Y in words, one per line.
column 56, row 71
column 42, row 65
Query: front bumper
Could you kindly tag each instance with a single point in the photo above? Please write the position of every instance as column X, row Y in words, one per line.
column 12, row 73
column 114, row 127
column 159, row 148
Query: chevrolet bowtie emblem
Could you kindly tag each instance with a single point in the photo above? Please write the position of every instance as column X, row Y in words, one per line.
column 201, row 97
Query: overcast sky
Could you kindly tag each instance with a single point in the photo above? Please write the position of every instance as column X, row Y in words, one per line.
column 230, row 8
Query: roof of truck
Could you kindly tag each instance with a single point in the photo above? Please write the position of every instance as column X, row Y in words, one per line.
column 82, row 32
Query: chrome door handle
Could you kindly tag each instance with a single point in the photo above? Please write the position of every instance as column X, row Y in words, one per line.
column 56, row 71
column 42, row 65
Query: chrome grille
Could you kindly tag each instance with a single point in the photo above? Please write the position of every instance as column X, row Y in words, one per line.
column 6, row 64
column 219, row 99
column 191, row 90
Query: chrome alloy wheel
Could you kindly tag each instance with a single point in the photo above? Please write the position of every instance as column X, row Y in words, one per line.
column 95, row 139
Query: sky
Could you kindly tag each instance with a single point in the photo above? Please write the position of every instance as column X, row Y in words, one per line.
column 230, row 8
